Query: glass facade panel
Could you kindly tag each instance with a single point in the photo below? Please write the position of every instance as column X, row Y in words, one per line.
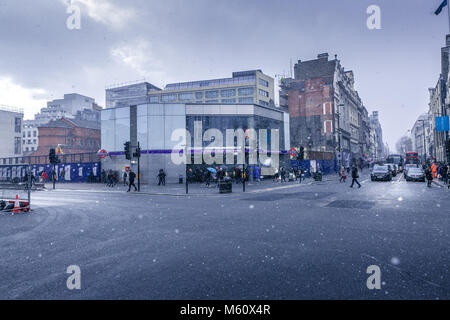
column 108, row 135
column 122, row 132
column 154, row 99
column 199, row 95
column 142, row 133
column 211, row 94
column 228, row 101
column 246, row 100
column 185, row 96
column 108, row 114
column 246, row 91
column 122, row 113
column 155, row 132
column 168, row 97
column 228, row 93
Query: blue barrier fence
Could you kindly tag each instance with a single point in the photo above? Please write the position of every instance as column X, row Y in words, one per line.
column 65, row 172
column 327, row 166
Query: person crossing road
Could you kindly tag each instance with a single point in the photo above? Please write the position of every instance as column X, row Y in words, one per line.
column 355, row 177
column 131, row 177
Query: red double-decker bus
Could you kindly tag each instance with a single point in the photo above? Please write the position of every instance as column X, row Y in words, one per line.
column 412, row 157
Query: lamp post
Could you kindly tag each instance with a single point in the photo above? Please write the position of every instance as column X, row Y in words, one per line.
column 338, row 114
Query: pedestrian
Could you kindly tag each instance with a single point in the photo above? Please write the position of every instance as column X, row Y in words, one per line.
column 355, row 177
column 125, row 175
column 429, row 176
column 161, row 177
column 131, row 178
column 444, row 173
column 103, row 176
column 343, row 177
column 208, row 178
column 283, row 175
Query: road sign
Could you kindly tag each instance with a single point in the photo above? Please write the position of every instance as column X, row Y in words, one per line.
column 442, row 124
column 102, row 153
column 293, row 152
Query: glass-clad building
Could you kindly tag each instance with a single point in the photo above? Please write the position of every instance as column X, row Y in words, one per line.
column 163, row 131
column 244, row 87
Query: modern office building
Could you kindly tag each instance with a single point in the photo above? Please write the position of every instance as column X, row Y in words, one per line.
column 68, row 107
column 30, row 140
column 11, row 132
column 163, row 132
column 245, row 87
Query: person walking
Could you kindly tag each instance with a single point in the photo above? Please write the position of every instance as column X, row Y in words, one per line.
column 283, row 175
column 131, row 178
column 161, row 177
column 444, row 173
column 125, row 175
column 343, row 177
column 355, row 177
column 429, row 176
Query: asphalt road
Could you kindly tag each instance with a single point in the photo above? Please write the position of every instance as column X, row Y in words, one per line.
column 309, row 241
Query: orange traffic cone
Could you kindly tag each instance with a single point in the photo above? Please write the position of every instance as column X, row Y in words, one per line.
column 16, row 205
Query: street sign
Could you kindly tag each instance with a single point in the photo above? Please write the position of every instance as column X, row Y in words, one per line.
column 442, row 124
column 102, row 153
column 293, row 152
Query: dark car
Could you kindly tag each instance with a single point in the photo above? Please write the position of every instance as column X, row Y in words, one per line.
column 381, row 173
column 415, row 174
column 393, row 169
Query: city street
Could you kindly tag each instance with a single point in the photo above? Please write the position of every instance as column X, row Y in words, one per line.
column 313, row 240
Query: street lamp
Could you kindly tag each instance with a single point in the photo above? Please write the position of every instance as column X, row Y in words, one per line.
column 339, row 133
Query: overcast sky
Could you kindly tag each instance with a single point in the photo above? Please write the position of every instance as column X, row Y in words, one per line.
column 182, row 40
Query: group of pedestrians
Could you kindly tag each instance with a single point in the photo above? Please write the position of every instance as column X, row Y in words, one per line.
column 437, row 170
column 354, row 173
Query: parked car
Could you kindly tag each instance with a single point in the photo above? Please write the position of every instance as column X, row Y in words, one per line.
column 381, row 172
column 415, row 174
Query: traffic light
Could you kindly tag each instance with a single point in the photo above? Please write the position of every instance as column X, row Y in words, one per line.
column 52, row 156
column 127, row 150
column 301, row 154
column 137, row 154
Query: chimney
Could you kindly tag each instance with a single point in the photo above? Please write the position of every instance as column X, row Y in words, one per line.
column 323, row 56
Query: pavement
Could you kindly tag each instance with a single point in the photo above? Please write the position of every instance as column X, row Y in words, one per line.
column 312, row 240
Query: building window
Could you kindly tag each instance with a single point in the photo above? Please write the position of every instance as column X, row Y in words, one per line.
column 185, row 96
column 263, row 82
column 228, row 93
column 212, row 101
column 154, row 99
column 327, row 108
column 263, row 103
column 17, row 145
column 263, row 93
column 24, row 134
column 18, row 125
column 34, row 133
column 211, row 94
column 246, row 91
column 168, row 97
column 228, row 101
column 246, row 100
column 199, row 95
column 26, row 149
column 328, row 126
column 29, row 134
column 34, row 141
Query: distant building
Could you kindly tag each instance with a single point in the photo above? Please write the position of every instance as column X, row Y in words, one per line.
column 11, row 132
column 419, row 136
column 73, row 135
column 379, row 147
column 326, row 112
column 30, row 140
column 68, row 107
column 245, row 87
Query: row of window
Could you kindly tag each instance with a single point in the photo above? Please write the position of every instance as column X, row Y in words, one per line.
column 28, row 133
column 263, row 82
column 29, row 141
column 263, row 93
column 210, row 94
column 30, row 149
column 211, row 83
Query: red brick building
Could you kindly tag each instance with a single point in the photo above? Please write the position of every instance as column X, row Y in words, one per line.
column 73, row 135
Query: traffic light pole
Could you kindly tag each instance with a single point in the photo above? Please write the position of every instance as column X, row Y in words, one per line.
column 54, row 176
column 139, row 167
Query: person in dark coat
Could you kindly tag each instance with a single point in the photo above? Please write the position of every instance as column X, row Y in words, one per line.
column 429, row 176
column 161, row 177
column 131, row 178
column 355, row 177
column 125, row 175
column 283, row 174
